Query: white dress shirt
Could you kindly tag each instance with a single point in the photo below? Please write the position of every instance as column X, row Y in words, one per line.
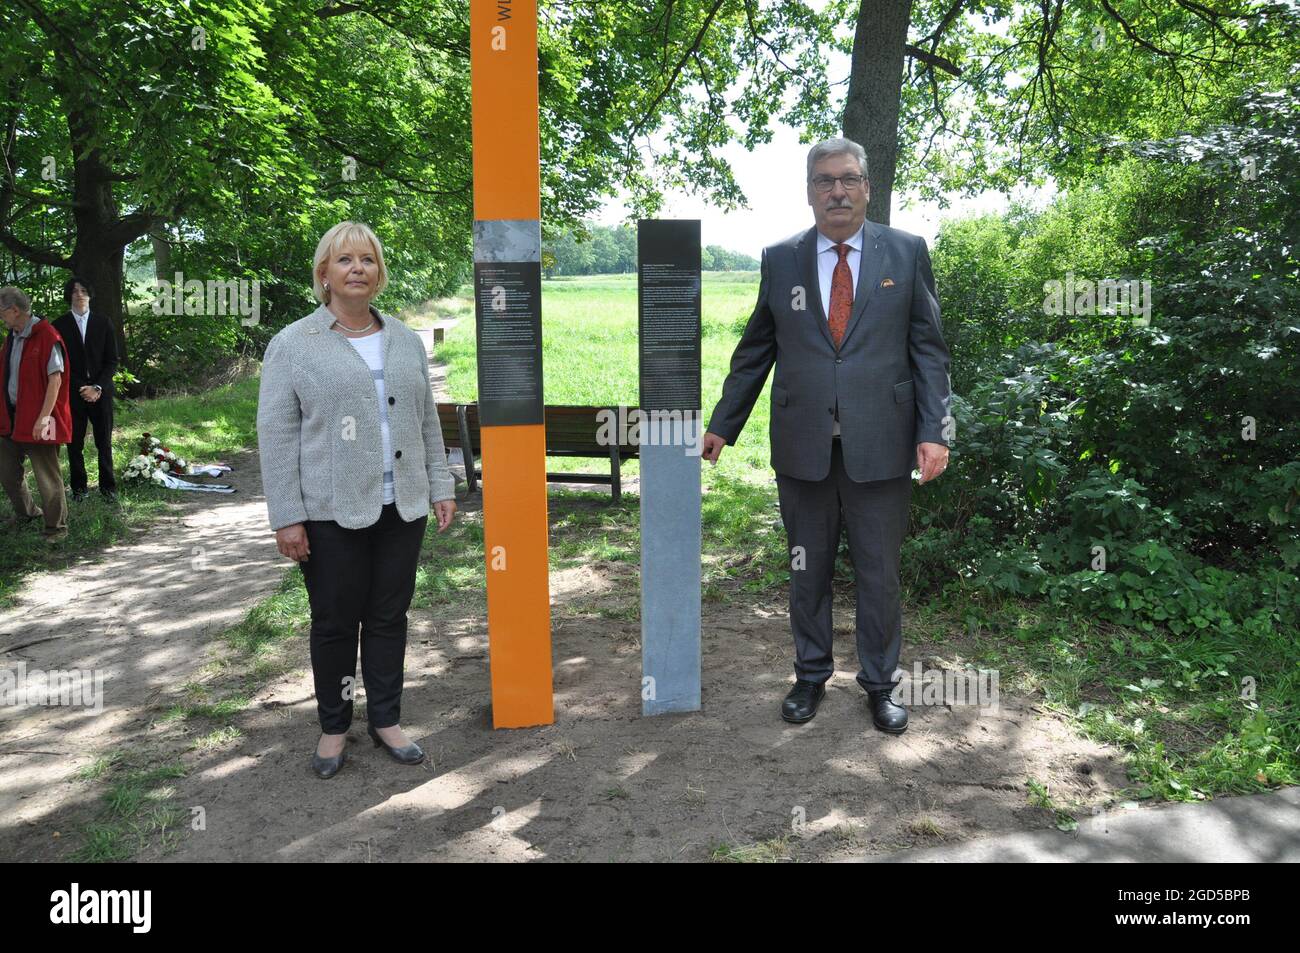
column 81, row 320
column 827, row 259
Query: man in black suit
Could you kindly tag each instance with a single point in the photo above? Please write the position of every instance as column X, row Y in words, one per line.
column 848, row 314
column 92, row 357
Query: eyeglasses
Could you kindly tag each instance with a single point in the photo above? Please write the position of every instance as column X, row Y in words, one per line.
column 824, row 183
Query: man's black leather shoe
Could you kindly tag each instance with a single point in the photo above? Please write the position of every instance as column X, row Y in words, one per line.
column 801, row 704
column 78, row 496
column 886, row 715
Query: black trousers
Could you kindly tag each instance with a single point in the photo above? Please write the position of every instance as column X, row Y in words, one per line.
column 100, row 417
column 875, row 514
column 360, row 579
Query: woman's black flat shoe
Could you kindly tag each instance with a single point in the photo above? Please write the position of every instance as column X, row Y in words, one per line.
column 326, row 767
column 407, row 754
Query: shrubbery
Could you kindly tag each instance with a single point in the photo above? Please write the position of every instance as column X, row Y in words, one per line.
column 1149, row 475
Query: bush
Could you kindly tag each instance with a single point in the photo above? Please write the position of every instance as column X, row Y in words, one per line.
column 1148, row 475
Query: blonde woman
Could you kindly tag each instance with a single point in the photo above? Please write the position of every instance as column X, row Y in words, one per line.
column 352, row 462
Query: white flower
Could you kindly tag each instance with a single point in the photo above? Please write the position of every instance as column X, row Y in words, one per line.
column 157, row 476
column 164, row 466
column 140, row 461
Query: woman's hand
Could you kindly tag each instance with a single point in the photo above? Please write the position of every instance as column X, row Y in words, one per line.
column 445, row 510
column 292, row 542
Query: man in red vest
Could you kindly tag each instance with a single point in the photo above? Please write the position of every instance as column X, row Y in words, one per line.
column 35, row 417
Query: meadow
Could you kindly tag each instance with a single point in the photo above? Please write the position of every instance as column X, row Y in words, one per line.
column 589, row 351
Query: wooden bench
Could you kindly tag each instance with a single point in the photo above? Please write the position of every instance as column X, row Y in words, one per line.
column 570, row 432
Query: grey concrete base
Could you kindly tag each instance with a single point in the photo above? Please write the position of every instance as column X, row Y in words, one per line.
column 670, row 570
column 1257, row 828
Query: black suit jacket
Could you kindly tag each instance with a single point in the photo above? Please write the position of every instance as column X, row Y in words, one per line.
column 95, row 361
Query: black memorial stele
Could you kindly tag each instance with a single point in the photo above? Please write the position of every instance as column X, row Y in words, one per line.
column 668, row 289
column 508, row 312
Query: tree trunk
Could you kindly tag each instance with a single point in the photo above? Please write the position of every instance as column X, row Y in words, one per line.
column 102, row 265
column 162, row 253
column 102, row 234
column 875, row 84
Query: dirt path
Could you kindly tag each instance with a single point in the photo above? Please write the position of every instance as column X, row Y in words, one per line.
column 141, row 612
column 602, row 783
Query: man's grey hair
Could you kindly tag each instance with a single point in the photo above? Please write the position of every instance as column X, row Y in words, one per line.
column 835, row 147
column 11, row 297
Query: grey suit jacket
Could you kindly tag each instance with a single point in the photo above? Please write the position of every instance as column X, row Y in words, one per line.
column 318, row 427
column 889, row 377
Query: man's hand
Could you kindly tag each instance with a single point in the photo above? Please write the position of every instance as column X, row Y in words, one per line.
column 89, row 393
column 444, row 510
column 292, row 542
column 931, row 460
column 711, row 449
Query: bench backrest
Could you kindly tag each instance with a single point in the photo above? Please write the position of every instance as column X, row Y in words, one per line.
column 570, row 430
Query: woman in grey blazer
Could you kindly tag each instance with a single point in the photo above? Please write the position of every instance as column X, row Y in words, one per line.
column 352, row 462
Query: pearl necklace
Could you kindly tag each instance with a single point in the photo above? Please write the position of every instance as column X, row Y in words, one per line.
column 344, row 327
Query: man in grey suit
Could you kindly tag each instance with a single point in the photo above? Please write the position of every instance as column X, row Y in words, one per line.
column 847, row 311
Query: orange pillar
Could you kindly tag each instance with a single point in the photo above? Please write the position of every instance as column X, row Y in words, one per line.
column 507, row 257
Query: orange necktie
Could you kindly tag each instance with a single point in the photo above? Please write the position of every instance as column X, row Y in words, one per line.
column 841, row 296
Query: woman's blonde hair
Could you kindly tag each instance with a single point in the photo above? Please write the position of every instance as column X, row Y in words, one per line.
column 344, row 235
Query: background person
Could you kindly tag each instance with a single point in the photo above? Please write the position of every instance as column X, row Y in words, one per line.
column 92, row 362
column 34, row 414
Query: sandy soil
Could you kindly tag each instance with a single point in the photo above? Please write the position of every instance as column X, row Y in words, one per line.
column 602, row 783
column 143, row 612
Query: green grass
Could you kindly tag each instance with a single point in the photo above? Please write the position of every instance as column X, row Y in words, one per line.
column 202, row 427
column 1174, row 705
column 1039, row 796
column 589, row 353
column 591, row 323
column 771, row 851
column 441, row 309
column 136, row 809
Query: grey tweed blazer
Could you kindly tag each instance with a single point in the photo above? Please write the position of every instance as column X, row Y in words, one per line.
column 318, row 427
column 888, row 380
